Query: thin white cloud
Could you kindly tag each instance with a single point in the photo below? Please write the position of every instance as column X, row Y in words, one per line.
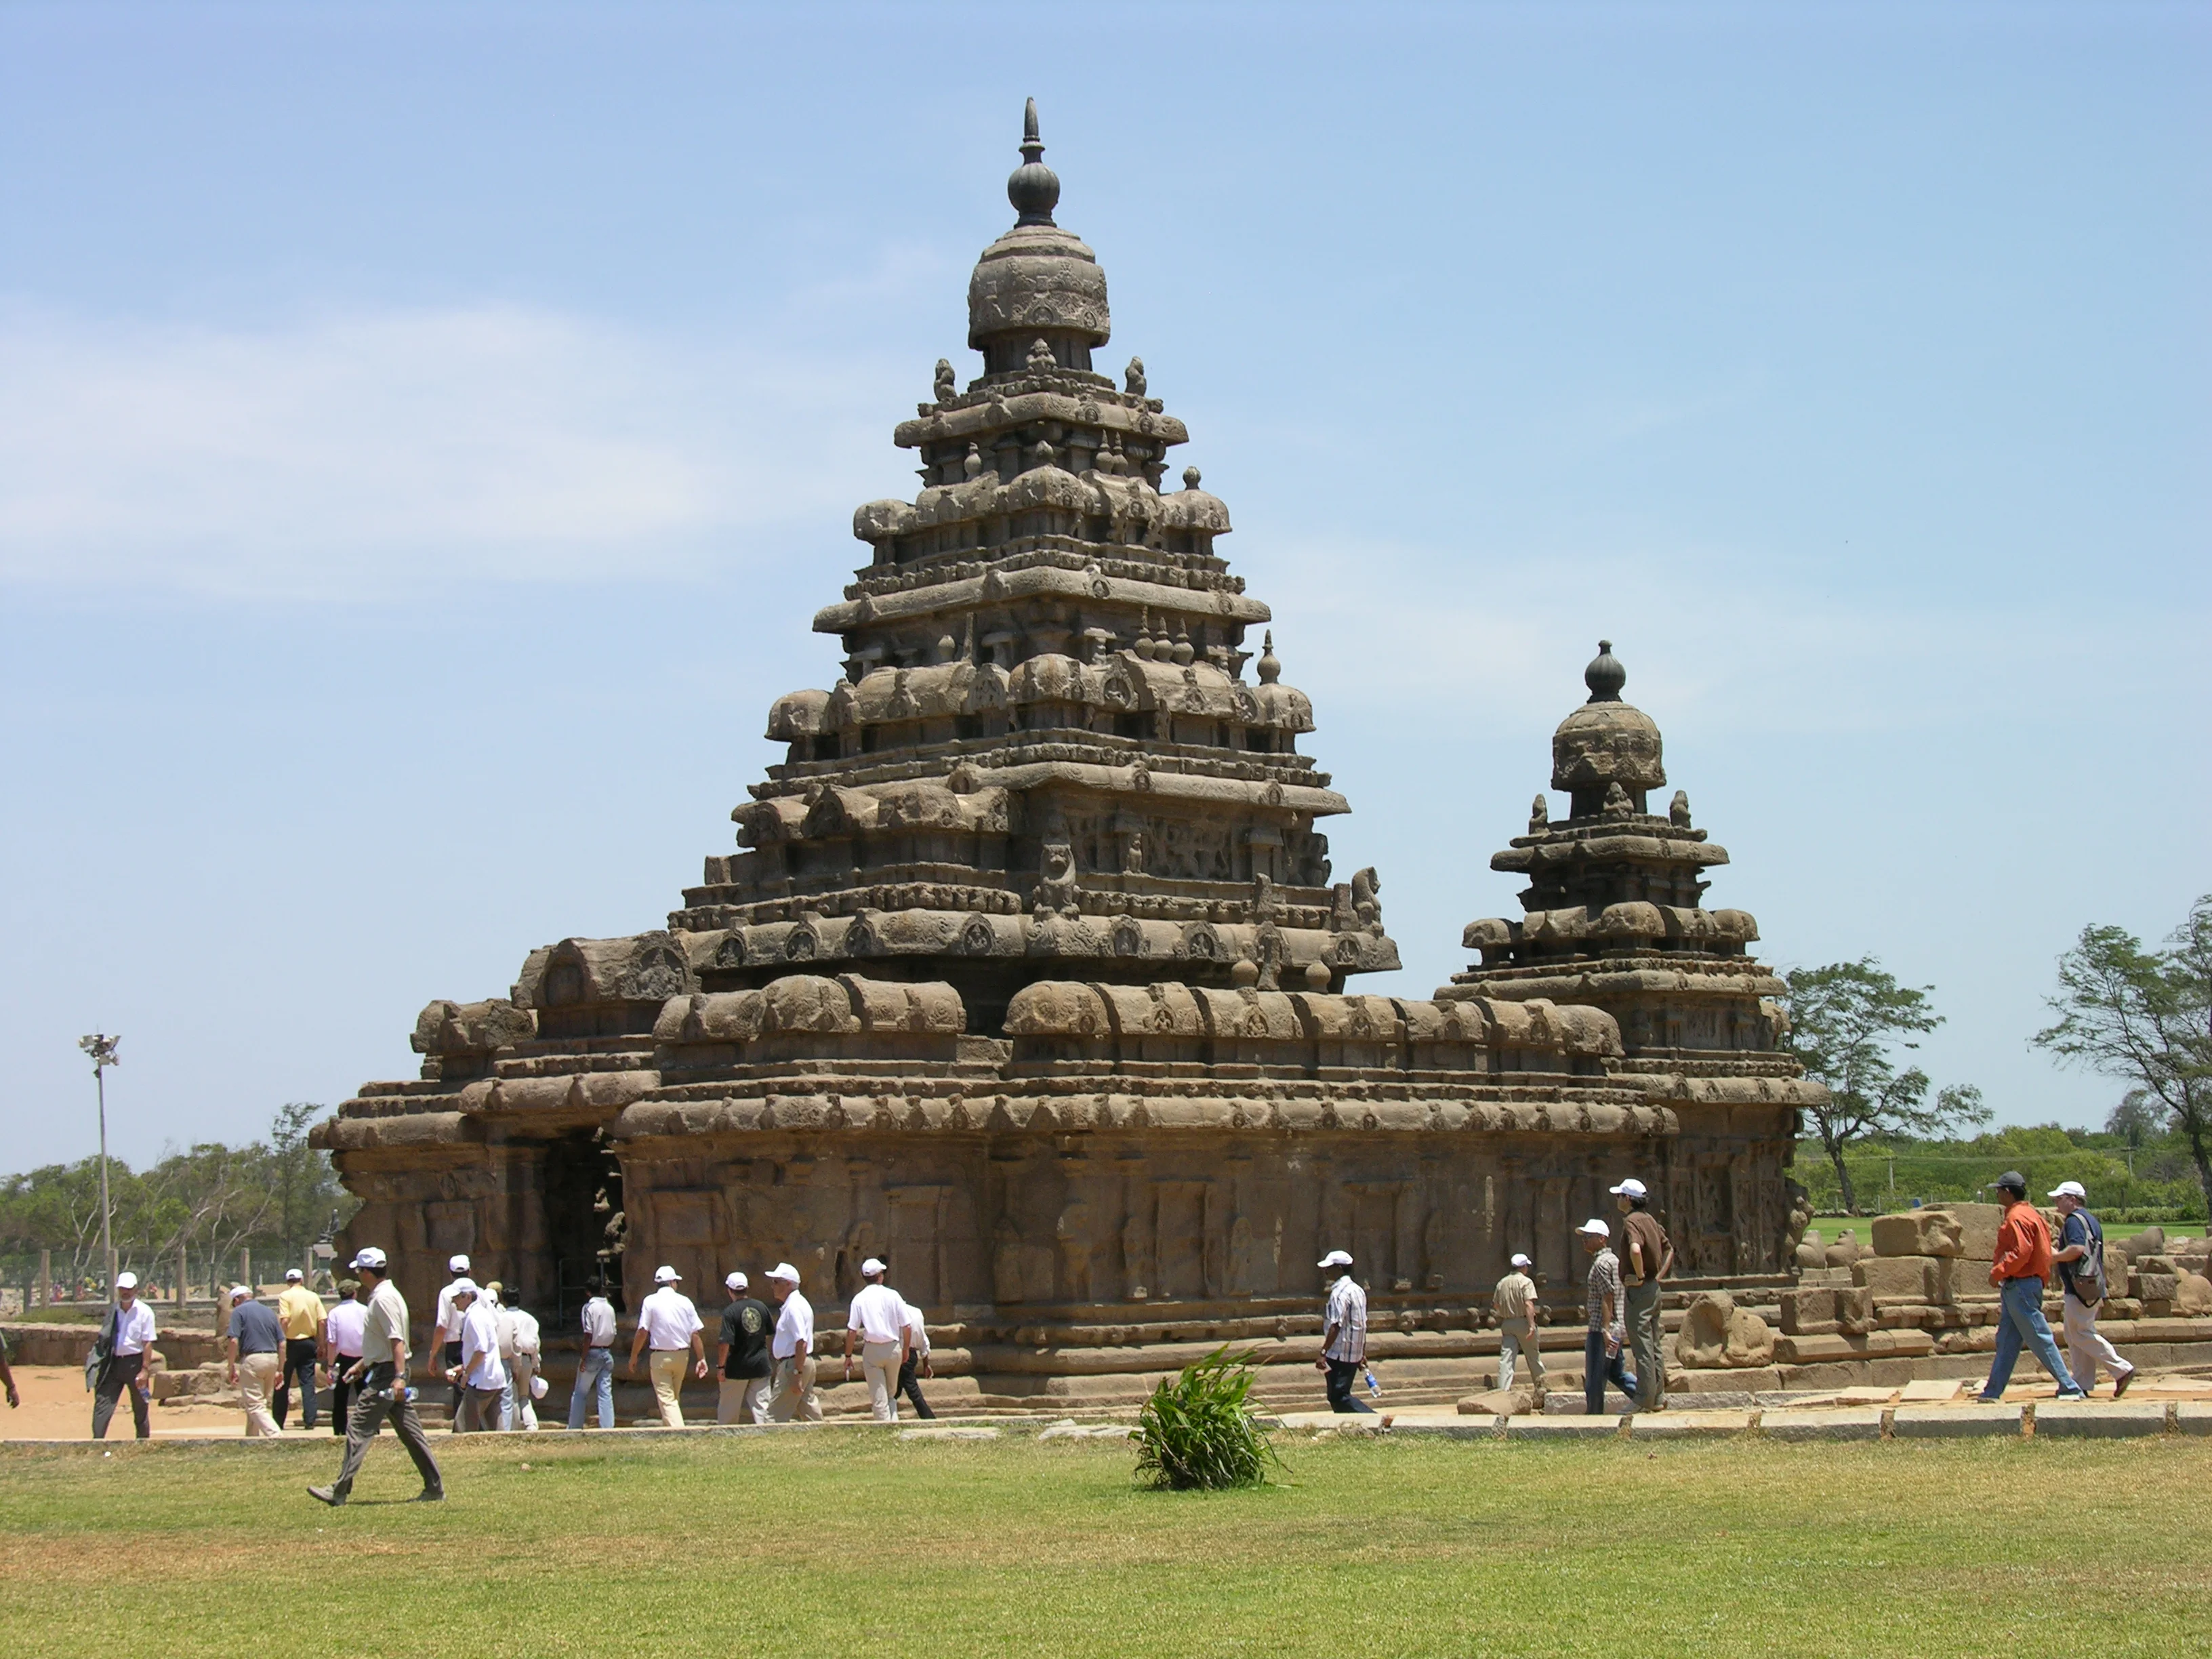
column 353, row 452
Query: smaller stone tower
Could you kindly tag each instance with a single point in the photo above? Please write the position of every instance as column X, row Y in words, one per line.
column 1615, row 918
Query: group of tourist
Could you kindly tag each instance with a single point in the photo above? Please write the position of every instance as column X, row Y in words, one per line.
column 490, row 1346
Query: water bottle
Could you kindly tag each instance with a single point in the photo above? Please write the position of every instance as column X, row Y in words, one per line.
column 1374, row 1388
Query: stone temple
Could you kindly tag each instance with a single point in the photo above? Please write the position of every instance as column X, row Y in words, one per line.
column 1033, row 973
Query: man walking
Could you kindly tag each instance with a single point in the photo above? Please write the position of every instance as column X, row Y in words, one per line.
column 8, row 1376
column 1514, row 1305
column 1603, row 1341
column 128, row 1334
column 300, row 1317
column 446, row 1339
column 1647, row 1256
column 519, row 1332
column 2080, row 1259
column 595, row 1366
column 2023, row 1263
column 341, row 1349
column 255, row 1345
column 917, row 1358
column 481, row 1375
column 379, row 1377
column 791, row 1390
column 505, row 1322
column 1344, row 1333
column 877, row 1318
column 741, row 1356
column 668, row 1320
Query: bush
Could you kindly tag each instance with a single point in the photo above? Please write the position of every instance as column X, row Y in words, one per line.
column 1197, row 1432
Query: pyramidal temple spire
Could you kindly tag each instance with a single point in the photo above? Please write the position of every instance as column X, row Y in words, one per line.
column 1033, row 187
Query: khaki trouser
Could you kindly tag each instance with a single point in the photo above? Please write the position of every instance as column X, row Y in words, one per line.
column 879, row 1365
column 478, row 1411
column 526, row 1403
column 1647, row 1340
column 667, row 1367
column 258, row 1374
column 743, row 1400
column 372, row 1404
column 2085, row 1347
column 791, row 1392
column 1525, row 1344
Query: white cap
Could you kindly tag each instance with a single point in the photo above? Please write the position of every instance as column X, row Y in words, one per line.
column 458, row 1264
column 784, row 1271
column 1520, row 1261
column 292, row 1275
column 462, row 1287
column 1631, row 1188
column 538, row 1388
column 1335, row 1259
column 239, row 1293
column 2064, row 1189
column 872, row 1264
column 736, row 1281
column 126, row 1281
column 367, row 1256
column 1596, row 1229
column 666, row 1274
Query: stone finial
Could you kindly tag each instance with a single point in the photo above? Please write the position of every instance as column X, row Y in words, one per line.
column 1033, row 187
column 1605, row 676
column 1133, row 377
column 1317, row 976
column 1041, row 358
column 947, row 388
column 1190, row 477
column 1271, row 666
column 1041, row 454
column 1183, row 651
column 1678, row 809
column 1244, row 973
column 973, row 466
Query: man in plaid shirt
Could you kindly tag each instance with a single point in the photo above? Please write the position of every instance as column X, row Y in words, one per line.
column 1602, row 1357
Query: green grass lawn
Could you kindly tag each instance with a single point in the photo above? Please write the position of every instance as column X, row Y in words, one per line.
column 804, row 1543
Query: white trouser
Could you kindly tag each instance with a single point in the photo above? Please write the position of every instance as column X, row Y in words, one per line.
column 1514, row 1345
column 879, row 1364
column 2084, row 1348
column 526, row 1403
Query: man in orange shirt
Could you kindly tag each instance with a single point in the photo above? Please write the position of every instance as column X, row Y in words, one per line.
column 2023, row 1263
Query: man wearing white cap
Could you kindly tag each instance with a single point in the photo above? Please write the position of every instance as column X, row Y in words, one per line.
column 125, row 1335
column 446, row 1339
column 877, row 1318
column 1603, row 1341
column 2080, row 1259
column 300, row 1317
column 1515, row 1307
column 481, row 1375
column 791, row 1390
column 379, row 1377
column 1344, row 1333
column 256, row 1347
column 668, row 1320
column 741, row 1356
column 1647, row 1256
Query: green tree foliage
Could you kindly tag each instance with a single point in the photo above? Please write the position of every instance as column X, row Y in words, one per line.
column 1846, row 1020
column 1197, row 1432
column 273, row 1197
column 2145, row 1016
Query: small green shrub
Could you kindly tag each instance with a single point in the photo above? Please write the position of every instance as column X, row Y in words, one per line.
column 1198, row 1433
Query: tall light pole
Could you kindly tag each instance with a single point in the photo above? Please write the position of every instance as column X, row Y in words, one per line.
column 102, row 1050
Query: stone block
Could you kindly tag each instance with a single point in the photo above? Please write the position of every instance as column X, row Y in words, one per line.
column 1717, row 1334
column 2193, row 1416
column 1864, row 1423
column 2151, row 1241
column 1687, row 1425
column 1563, row 1428
column 1953, row 1422
column 2154, row 1264
column 1978, row 1229
column 1899, row 1278
column 2192, row 1294
column 1918, row 1232
column 2152, row 1287
column 1844, row 1251
column 2098, row 1420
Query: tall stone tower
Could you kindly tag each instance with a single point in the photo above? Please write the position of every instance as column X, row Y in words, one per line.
column 1043, row 757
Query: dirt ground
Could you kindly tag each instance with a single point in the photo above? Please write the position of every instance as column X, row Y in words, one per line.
column 57, row 1408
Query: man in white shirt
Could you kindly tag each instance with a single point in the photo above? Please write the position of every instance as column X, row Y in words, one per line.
column 494, row 1293
column 877, row 1318
column 595, row 1366
column 480, row 1375
column 129, row 1332
column 342, row 1348
column 380, row 1376
column 1344, row 1335
column 446, row 1339
column 791, row 1389
column 668, row 1320
column 917, row 1359
column 520, row 1345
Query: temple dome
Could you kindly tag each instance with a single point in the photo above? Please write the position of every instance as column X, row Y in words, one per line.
column 1037, row 282
column 1607, row 741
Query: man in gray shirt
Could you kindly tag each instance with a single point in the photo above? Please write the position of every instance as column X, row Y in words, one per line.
column 595, row 1366
column 381, row 1373
column 256, row 1359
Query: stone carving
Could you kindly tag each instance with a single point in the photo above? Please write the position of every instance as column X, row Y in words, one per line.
column 1364, row 903
column 1718, row 1334
column 1539, row 815
column 1133, row 377
column 1056, row 890
column 947, row 390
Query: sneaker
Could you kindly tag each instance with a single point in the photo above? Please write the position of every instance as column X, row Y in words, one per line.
column 426, row 1496
column 326, row 1495
column 2120, row 1387
column 2071, row 1394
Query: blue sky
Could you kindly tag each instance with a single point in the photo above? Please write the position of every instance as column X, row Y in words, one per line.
column 425, row 433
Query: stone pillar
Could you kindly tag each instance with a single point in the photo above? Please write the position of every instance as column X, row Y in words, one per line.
column 244, row 1271
column 183, row 1284
column 46, row 1279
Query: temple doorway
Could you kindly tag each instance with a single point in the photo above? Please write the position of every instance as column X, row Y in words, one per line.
column 583, row 1223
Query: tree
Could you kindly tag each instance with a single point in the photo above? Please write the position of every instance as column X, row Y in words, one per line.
column 2134, row 1119
column 1845, row 1019
column 2146, row 1017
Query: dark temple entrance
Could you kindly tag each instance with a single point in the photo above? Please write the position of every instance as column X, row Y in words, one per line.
column 583, row 1200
